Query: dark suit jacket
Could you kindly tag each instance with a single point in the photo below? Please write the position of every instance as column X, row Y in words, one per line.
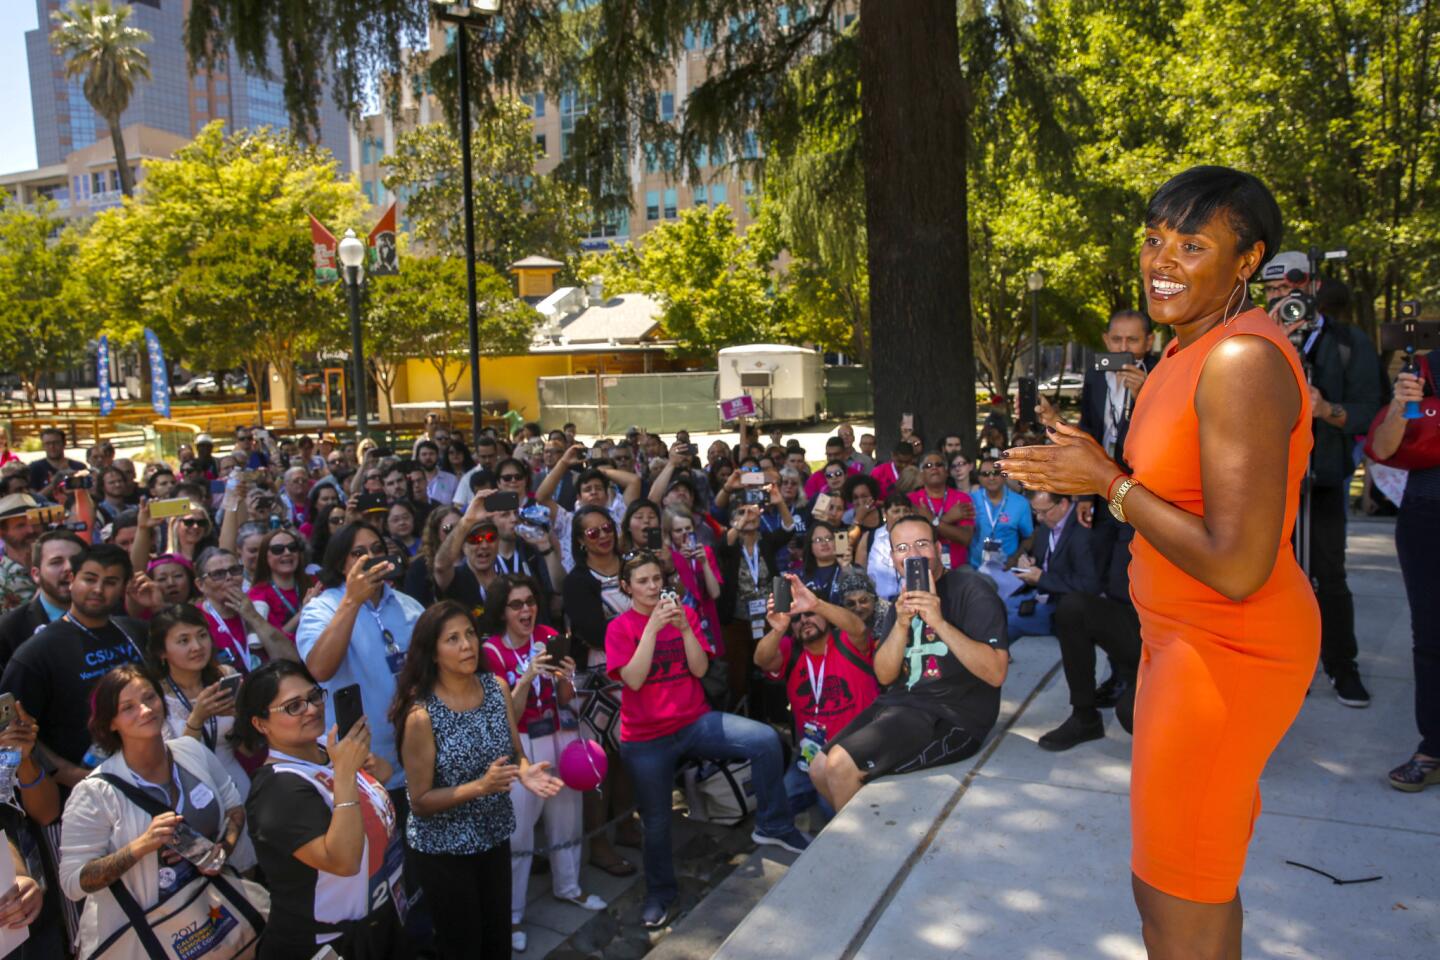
column 1092, row 405
column 1110, row 544
column 1073, row 568
column 19, row 625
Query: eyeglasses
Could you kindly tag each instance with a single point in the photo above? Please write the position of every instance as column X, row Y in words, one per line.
column 594, row 533
column 932, row 465
column 990, row 473
column 481, row 536
column 376, row 550
column 919, row 546
column 819, row 540
column 193, row 522
column 297, row 706
column 225, row 573
column 522, row 604
column 511, row 478
column 276, row 549
column 834, row 474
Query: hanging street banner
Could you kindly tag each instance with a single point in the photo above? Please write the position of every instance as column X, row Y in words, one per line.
column 384, row 254
column 159, row 381
column 325, row 247
column 102, row 376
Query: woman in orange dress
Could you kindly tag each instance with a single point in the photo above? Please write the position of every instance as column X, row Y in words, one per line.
column 1218, row 443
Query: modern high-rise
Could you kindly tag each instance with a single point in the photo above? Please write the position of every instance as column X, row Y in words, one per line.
column 172, row 99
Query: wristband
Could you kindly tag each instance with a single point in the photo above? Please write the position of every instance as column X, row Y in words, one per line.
column 33, row 783
column 1110, row 488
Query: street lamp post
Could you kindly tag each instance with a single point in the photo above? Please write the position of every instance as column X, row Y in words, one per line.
column 465, row 14
column 352, row 258
column 1035, row 283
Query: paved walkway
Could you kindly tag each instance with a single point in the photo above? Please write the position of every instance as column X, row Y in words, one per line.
column 1024, row 854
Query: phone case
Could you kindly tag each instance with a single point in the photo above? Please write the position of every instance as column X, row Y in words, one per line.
column 348, row 709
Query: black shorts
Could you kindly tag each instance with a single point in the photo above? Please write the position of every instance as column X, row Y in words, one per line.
column 892, row 738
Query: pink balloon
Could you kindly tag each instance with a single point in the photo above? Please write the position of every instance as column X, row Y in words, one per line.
column 582, row 765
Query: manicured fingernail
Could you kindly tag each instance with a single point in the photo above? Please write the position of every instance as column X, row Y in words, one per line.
column 1004, row 474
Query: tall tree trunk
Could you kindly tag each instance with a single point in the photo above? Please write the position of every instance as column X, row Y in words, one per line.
column 122, row 162
column 913, row 123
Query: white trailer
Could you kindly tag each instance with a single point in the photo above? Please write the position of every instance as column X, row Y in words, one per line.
column 787, row 383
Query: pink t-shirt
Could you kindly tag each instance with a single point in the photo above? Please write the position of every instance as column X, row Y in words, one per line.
column 692, row 577
column 846, row 689
column 228, row 636
column 504, row 661
column 959, row 553
column 816, row 482
column 280, row 605
column 886, row 476
column 671, row 697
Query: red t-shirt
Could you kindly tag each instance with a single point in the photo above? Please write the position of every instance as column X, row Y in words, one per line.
column 671, row 697
column 280, row 605
column 509, row 663
column 959, row 554
column 847, row 688
column 228, row 636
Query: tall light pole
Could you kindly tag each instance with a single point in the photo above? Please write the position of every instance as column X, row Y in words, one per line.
column 352, row 258
column 1035, row 283
column 463, row 15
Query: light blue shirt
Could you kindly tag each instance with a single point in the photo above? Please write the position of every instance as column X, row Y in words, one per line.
column 1010, row 522
column 364, row 661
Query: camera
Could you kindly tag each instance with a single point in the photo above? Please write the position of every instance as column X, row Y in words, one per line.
column 1294, row 307
column 77, row 481
column 755, row 496
column 669, row 595
column 1112, row 362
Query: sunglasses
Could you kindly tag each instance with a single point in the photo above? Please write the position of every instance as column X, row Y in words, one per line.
column 522, row 604
column 296, row 707
column 482, row 536
column 932, row 465
column 226, row 573
column 594, row 533
column 193, row 522
column 990, row 473
column 511, row 478
column 834, row 474
column 337, row 518
column 276, row 549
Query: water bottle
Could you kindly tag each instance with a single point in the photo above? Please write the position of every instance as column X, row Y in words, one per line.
column 1412, row 407
column 9, row 770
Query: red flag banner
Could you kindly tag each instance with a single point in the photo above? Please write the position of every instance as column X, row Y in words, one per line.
column 384, row 255
column 325, row 247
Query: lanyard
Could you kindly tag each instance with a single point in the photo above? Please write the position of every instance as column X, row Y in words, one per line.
column 516, row 565
column 990, row 512
column 211, row 731
column 386, row 636
column 938, row 511
column 523, row 663
column 279, row 592
column 241, row 648
column 817, row 681
column 323, row 774
column 752, row 563
column 140, row 657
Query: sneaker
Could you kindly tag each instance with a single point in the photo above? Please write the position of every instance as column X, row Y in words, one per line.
column 793, row 840
column 518, row 941
column 654, row 914
column 1349, row 690
column 1415, row 774
column 1107, row 694
column 1076, row 730
column 585, row 901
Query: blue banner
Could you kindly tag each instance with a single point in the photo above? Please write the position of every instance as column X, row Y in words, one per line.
column 159, row 380
column 102, row 376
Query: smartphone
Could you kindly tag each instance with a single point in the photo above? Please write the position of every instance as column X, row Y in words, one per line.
column 755, row 496
column 499, row 502
column 842, row 543
column 7, row 709
column 690, row 541
column 822, row 504
column 173, row 507
column 256, row 461
column 917, row 573
column 348, row 708
column 1029, row 400
column 752, row 478
column 231, row 684
column 1112, row 362
column 781, row 591
column 652, row 538
column 397, row 565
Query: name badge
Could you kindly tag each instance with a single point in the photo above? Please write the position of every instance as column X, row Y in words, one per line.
column 812, row 741
column 757, row 609
column 201, row 796
column 395, row 661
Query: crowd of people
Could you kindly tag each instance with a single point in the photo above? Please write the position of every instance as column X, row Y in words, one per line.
column 330, row 684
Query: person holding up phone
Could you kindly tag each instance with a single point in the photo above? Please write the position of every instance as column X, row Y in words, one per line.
column 325, row 832
column 696, row 570
column 199, row 689
column 944, row 658
column 658, row 651
column 106, row 836
column 476, row 540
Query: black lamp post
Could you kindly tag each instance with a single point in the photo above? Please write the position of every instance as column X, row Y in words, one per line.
column 463, row 15
column 352, row 259
column 1035, row 283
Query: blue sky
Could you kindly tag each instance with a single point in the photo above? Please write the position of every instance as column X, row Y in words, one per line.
column 17, row 126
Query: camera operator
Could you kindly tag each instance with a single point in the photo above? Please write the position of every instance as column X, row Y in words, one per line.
column 1345, row 393
column 1109, row 395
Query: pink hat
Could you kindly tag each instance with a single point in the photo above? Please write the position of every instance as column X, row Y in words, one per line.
column 165, row 558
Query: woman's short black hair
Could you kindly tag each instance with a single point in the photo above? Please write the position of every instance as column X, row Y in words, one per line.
column 1188, row 201
column 336, row 562
column 854, row 482
column 252, row 701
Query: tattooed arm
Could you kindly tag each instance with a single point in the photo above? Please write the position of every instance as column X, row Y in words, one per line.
column 99, row 873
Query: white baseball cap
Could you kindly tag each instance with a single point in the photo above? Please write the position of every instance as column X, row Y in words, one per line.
column 1282, row 263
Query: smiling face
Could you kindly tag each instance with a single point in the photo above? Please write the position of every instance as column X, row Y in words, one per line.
column 139, row 713
column 283, row 554
column 1190, row 277
column 283, row 730
column 597, row 533
column 96, row 590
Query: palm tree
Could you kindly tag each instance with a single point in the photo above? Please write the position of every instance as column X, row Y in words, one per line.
column 102, row 47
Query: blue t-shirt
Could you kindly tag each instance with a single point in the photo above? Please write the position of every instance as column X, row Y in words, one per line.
column 1010, row 522
column 367, row 661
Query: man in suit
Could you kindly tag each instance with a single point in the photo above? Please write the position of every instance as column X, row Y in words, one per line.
column 1108, row 397
column 1063, row 563
column 50, row 568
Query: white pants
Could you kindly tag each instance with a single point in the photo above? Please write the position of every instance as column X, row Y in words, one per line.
column 563, row 822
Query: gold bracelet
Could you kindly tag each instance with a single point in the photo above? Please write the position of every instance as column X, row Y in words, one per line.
column 1117, row 500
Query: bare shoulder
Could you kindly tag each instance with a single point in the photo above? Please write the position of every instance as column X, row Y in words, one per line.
column 418, row 719
column 1248, row 377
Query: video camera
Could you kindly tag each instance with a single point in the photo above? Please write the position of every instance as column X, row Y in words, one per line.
column 1298, row 306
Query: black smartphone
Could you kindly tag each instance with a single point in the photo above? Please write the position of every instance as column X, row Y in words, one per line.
column 1112, row 362
column 348, row 709
column 1029, row 400
column 231, row 683
column 652, row 538
column 397, row 565
column 498, row 502
column 781, row 592
column 917, row 573
column 7, row 709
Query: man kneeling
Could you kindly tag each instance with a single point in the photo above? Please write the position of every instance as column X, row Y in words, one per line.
column 944, row 655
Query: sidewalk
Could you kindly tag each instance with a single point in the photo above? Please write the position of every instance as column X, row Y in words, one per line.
column 1023, row 853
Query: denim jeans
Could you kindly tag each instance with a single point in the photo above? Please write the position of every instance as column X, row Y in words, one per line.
column 719, row 736
column 800, row 790
column 1037, row 624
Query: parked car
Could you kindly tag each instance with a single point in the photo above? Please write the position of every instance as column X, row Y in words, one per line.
column 203, row 385
column 1069, row 385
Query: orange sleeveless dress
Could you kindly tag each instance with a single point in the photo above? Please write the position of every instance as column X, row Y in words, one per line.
column 1220, row 681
